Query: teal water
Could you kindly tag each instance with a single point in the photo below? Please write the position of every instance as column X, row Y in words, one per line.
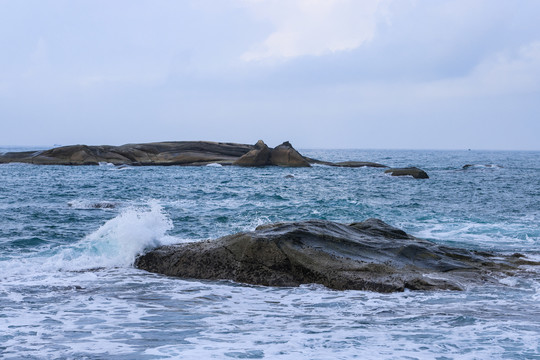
column 69, row 235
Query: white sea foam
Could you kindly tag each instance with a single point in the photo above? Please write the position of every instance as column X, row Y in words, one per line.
column 498, row 236
column 485, row 166
column 103, row 163
column 117, row 242
column 214, row 165
column 92, row 204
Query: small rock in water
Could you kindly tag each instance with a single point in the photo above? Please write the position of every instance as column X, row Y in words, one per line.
column 355, row 164
column 289, row 176
column 103, row 205
column 473, row 166
column 410, row 171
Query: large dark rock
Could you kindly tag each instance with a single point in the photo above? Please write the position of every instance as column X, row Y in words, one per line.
column 286, row 155
column 281, row 155
column 160, row 153
column 164, row 153
column 259, row 156
column 369, row 255
column 410, row 171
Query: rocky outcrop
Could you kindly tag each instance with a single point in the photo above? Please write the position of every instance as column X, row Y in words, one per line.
column 186, row 153
column 159, row 153
column 410, row 171
column 164, row 153
column 259, row 156
column 369, row 255
column 282, row 155
column 286, row 155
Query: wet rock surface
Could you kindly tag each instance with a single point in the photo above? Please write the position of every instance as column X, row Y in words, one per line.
column 368, row 255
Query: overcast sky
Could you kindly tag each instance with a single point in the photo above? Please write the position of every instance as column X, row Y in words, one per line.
column 407, row 74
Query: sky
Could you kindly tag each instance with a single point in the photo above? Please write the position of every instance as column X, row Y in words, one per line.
column 365, row 74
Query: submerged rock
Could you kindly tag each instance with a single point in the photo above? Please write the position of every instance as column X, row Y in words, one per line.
column 410, row 171
column 369, row 255
column 356, row 164
column 486, row 166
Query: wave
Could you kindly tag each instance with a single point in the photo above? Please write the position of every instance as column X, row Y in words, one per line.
column 114, row 244
column 481, row 166
column 118, row 242
column 86, row 204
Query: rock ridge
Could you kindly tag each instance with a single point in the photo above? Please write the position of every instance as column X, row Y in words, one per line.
column 369, row 255
column 181, row 153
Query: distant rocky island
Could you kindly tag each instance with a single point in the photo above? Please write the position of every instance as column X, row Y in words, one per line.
column 186, row 153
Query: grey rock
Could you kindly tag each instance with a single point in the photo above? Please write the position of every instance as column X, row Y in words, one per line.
column 259, row 156
column 410, row 171
column 368, row 255
column 160, row 153
column 286, row 155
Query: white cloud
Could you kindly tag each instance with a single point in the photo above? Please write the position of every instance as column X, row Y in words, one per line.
column 312, row 27
column 502, row 74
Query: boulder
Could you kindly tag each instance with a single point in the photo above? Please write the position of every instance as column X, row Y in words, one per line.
column 410, row 171
column 286, row 155
column 368, row 255
column 259, row 156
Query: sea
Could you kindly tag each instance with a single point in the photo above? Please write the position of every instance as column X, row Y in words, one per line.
column 69, row 236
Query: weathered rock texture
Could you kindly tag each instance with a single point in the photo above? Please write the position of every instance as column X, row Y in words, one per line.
column 281, row 155
column 369, row 255
column 286, row 155
column 259, row 156
column 410, row 171
column 160, row 153
column 164, row 153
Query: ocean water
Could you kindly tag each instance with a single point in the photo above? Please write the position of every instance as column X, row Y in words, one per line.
column 69, row 236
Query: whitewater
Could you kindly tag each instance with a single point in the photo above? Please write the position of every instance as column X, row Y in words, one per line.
column 69, row 236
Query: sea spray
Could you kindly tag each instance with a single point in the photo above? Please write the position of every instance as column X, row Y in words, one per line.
column 114, row 244
column 117, row 242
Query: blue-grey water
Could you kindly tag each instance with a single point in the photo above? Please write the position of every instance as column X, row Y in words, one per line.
column 69, row 235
